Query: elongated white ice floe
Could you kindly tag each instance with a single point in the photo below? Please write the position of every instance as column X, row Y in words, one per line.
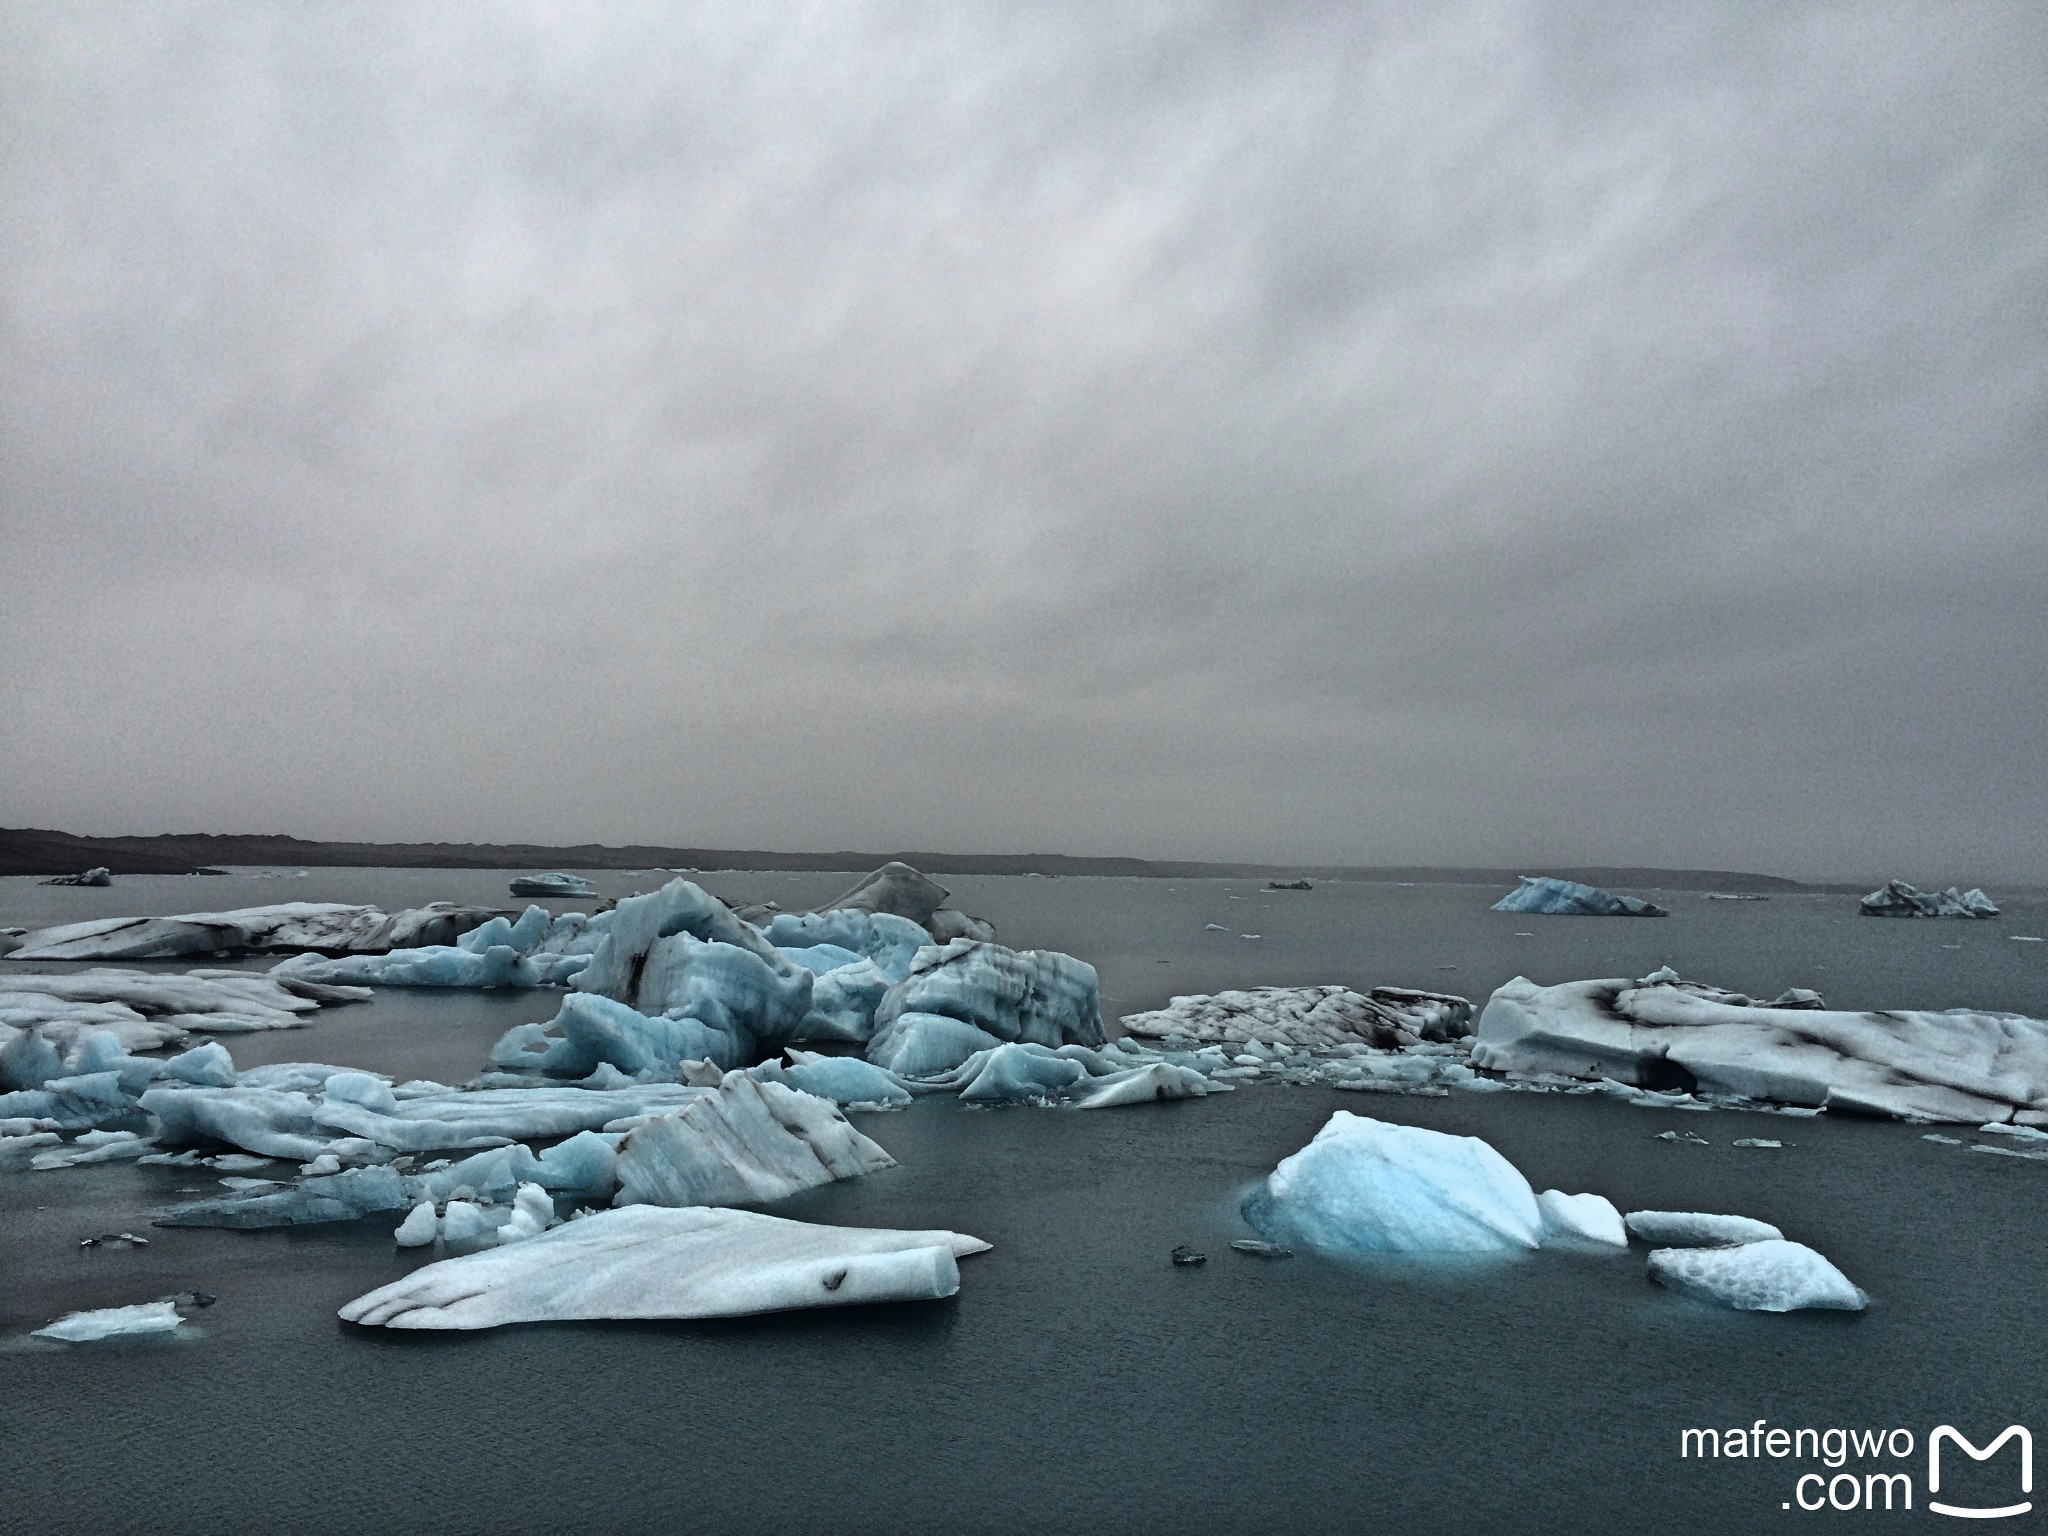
column 651, row 1262
column 292, row 925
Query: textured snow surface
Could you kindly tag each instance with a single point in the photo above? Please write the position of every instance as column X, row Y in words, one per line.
column 292, row 925
column 649, row 1262
column 1767, row 1276
column 1661, row 1033
column 1387, row 1018
column 1366, row 1186
column 1568, row 898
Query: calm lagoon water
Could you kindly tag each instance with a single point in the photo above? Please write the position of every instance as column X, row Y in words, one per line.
column 1079, row 1382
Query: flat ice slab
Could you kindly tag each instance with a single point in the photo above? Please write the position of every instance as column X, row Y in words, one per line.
column 1388, row 1018
column 1661, row 1032
column 113, row 1323
column 651, row 1262
column 556, row 884
column 292, row 925
column 1567, row 898
column 1367, row 1186
column 1699, row 1229
column 147, row 1010
column 1768, row 1276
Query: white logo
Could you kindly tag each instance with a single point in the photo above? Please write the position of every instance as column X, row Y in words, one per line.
column 1949, row 1432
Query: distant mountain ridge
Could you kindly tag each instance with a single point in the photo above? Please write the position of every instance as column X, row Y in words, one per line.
column 31, row 851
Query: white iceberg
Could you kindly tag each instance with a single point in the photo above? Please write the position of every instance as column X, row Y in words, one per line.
column 1388, row 1018
column 749, row 1142
column 556, row 884
column 1771, row 1275
column 147, row 1317
column 422, row 1225
column 1580, row 1221
column 293, row 925
column 1895, row 898
column 1568, row 898
column 647, row 1262
column 148, row 1010
column 1662, row 1033
column 1698, row 1229
column 1364, row 1186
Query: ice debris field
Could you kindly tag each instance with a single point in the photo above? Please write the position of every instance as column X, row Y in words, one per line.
column 701, row 1058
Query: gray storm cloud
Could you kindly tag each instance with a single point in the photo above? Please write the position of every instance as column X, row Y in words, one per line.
column 1488, row 433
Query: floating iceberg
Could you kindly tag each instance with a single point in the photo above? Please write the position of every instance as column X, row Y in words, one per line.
column 1698, row 1229
column 845, row 1080
column 1033, row 996
column 293, row 925
column 536, row 951
column 1580, row 1221
column 147, row 1010
column 1568, row 898
column 887, row 939
column 1771, row 1275
column 1663, row 1033
column 749, row 1143
column 99, row 876
column 1898, row 899
column 145, row 1317
column 557, row 884
column 900, row 891
column 646, row 1262
column 1387, row 1018
column 1365, row 1187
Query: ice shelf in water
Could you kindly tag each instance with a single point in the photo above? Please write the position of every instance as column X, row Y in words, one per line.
column 537, row 950
column 1387, row 1018
column 1567, row 898
column 1771, row 1275
column 1663, row 1033
column 1898, row 899
column 147, row 1010
column 647, row 1262
column 556, row 884
column 294, row 925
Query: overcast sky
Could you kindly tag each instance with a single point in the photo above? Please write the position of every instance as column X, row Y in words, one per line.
column 1480, row 433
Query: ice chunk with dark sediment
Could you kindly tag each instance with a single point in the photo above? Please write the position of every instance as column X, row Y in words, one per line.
column 1663, row 1033
column 292, row 925
column 1895, row 898
column 901, row 891
column 1698, row 1229
column 648, row 1262
column 749, row 1142
column 1568, row 898
column 1771, row 1275
column 1365, row 1186
column 555, row 884
column 1037, row 997
column 1388, row 1018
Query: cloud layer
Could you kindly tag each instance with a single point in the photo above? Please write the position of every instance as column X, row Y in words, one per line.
column 1491, row 433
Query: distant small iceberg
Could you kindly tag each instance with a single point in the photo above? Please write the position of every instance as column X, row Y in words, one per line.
column 557, row 884
column 1898, row 899
column 98, row 876
column 1568, row 898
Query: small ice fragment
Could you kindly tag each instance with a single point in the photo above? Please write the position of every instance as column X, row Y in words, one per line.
column 1699, row 1229
column 1215, row 928
column 420, row 1227
column 1757, row 1141
column 1938, row 1138
column 463, row 1222
column 112, row 1323
column 2019, row 938
column 1580, row 1221
column 1260, row 1249
column 1685, row 1136
column 325, row 1163
column 1767, row 1276
column 1184, row 1256
column 1251, row 935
